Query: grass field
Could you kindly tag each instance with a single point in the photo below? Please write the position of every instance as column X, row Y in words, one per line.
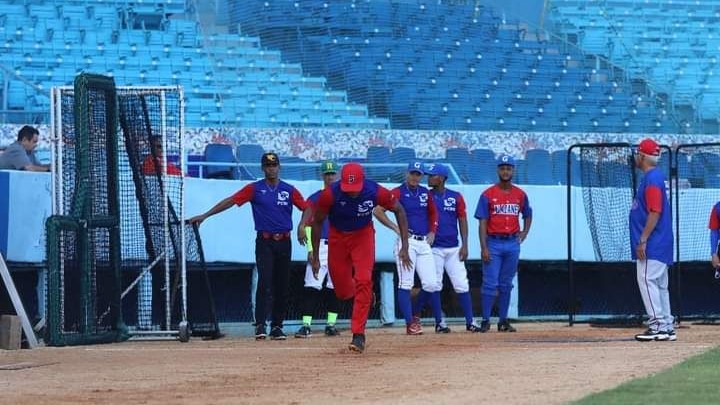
column 694, row 381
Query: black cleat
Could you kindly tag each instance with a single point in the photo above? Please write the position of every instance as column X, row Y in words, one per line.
column 474, row 328
column 484, row 326
column 260, row 332
column 331, row 330
column 303, row 332
column 358, row 343
column 440, row 328
column 652, row 335
column 505, row 326
column 277, row 333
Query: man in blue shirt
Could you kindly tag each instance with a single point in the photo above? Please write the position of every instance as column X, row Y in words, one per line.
column 20, row 155
column 651, row 238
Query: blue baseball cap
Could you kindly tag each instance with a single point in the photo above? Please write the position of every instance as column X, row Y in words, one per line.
column 506, row 160
column 436, row 169
column 416, row 166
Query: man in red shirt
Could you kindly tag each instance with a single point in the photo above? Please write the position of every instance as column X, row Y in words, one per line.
column 153, row 163
column 348, row 205
column 499, row 212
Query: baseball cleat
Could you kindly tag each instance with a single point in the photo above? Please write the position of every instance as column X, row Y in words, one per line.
column 440, row 328
column 357, row 344
column 484, row 326
column 331, row 330
column 652, row 335
column 277, row 333
column 505, row 326
column 304, row 332
column 474, row 328
column 414, row 328
column 260, row 332
column 671, row 335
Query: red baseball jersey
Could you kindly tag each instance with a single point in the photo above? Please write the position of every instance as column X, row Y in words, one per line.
column 502, row 209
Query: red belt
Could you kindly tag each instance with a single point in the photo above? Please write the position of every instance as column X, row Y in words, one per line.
column 274, row 236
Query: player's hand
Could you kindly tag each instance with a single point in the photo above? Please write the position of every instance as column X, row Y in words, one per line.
column 522, row 236
column 310, row 257
column 430, row 238
column 640, row 251
column 717, row 274
column 301, row 236
column 404, row 257
column 463, row 253
column 315, row 263
column 197, row 219
column 485, row 254
column 716, row 261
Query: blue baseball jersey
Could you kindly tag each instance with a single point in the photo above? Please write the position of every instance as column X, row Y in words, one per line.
column 313, row 199
column 450, row 207
column 271, row 205
column 652, row 196
column 347, row 213
column 419, row 208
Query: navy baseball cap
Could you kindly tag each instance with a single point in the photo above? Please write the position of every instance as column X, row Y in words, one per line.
column 416, row 166
column 506, row 160
column 270, row 159
column 436, row 169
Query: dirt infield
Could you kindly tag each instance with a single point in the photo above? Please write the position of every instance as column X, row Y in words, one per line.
column 542, row 363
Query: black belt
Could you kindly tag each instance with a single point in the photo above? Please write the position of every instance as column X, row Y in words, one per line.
column 418, row 237
column 274, row 236
column 503, row 235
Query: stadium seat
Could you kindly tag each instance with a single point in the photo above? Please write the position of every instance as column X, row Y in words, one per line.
column 216, row 152
column 250, row 153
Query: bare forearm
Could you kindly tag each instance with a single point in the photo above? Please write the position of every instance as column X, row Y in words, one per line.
column 219, row 207
column 482, row 232
column 381, row 215
column 463, row 231
column 402, row 223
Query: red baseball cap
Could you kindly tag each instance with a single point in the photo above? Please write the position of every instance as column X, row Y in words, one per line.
column 352, row 178
column 649, row 147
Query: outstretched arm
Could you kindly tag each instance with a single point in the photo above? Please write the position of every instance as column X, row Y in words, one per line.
column 218, row 208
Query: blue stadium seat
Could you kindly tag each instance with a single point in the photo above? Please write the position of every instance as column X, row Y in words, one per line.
column 216, row 152
column 378, row 154
column 402, row 154
column 539, row 167
column 250, row 153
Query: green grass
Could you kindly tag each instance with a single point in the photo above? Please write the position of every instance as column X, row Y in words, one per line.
column 694, row 381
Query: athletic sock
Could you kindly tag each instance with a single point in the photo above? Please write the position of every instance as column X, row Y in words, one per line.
column 422, row 299
column 332, row 318
column 487, row 302
column 436, row 307
column 307, row 320
column 466, row 305
column 405, row 304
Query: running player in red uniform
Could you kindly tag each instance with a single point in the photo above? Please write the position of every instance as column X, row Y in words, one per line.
column 651, row 238
column 348, row 204
column 272, row 201
column 499, row 211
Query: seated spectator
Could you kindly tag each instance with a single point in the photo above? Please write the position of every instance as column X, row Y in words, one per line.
column 20, row 155
column 157, row 156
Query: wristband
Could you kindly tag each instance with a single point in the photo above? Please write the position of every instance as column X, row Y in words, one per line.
column 308, row 235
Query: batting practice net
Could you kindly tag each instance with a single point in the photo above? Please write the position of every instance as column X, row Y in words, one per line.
column 602, row 181
column 697, row 191
column 155, row 246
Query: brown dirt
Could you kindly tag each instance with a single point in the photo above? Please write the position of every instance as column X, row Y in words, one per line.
column 542, row 363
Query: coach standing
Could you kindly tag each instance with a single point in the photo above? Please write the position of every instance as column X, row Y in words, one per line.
column 499, row 211
column 272, row 201
column 651, row 238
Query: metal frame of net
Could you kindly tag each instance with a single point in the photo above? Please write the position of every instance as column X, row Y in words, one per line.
column 156, row 244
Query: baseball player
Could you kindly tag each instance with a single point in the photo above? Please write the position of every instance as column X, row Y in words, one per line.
column 422, row 225
column 715, row 238
column 348, row 205
column 651, row 238
column 499, row 210
column 448, row 253
column 314, row 285
column 272, row 201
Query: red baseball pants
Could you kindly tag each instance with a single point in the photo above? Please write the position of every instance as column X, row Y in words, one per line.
column 348, row 251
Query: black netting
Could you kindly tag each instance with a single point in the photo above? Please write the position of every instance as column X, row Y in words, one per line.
column 607, row 180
